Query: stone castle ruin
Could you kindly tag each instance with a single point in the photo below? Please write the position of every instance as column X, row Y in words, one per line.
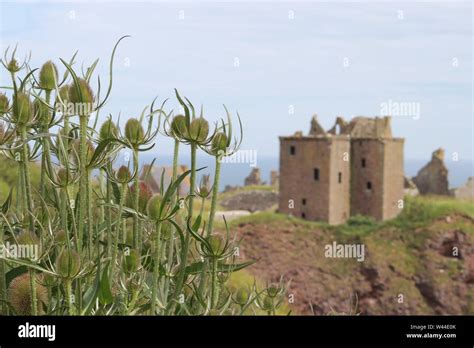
column 354, row 168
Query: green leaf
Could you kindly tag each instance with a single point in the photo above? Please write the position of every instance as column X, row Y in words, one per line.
column 7, row 203
column 105, row 295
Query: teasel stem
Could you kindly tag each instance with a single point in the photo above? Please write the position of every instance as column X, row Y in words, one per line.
column 68, row 290
column 90, row 225
column 156, row 266
column 108, row 213
column 136, row 198
column 185, row 247
column 34, row 303
column 215, row 191
column 119, row 229
column 3, row 281
column 26, row 173
column 83, row 178
column 172, row 231
column 214, row 285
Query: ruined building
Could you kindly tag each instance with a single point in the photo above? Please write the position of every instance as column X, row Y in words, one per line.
column 354, row 168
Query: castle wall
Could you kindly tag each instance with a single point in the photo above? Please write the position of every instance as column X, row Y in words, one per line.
column 367, row 177
column 393, row 177
column 339, row 185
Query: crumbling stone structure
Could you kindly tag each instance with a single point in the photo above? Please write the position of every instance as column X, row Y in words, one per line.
column 354, row 168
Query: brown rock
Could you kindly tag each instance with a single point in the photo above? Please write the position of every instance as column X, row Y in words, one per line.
column 433, row 177
column 466, row 191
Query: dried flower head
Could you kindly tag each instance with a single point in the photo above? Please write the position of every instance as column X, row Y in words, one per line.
column 19, row 295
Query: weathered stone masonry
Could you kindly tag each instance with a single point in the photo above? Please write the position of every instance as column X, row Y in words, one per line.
column 354, row 168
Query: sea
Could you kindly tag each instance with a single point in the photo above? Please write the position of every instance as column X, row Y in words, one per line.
column 234, row 173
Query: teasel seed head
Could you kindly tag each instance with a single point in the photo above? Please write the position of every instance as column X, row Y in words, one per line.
column 199, row 130
column 13, row 66
column 4, row 104
column 30, row 240
column 108, row 130
column 61, row 237
column 42, row 113
column 68, row 264
column 19, row 295
column 178, row 126
column 219, row 143
column 153, row 207
column 134, row 132
column 124, row 175
column 217, row 244
column 22, row 109
column 76, row 146
column 64, row 177
column 242, row 296
column 48, row 76
column 81, row 95
column 131, row 262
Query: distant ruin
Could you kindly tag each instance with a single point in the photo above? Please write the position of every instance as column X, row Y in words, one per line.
column 354, row 168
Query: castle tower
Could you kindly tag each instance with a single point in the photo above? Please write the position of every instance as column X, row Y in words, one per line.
column 315, row 176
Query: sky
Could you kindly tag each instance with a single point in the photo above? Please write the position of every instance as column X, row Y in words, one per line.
column 276, row 63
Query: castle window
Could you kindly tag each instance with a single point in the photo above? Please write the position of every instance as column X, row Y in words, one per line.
column 292, row 150
column 363, row 162
column 303, row 215
column 369, row 185
column 303, row 201
column 316, row 174
column 339, row 177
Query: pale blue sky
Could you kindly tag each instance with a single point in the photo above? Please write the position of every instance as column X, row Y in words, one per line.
column 283, row 61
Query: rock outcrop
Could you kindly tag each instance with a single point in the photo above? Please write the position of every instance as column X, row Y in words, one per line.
column 252, row 201
column 274, row 176
column 433, row 177
column 254, row 178
column 466, row 191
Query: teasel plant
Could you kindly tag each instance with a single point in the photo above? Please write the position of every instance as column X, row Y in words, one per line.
column 105, row 241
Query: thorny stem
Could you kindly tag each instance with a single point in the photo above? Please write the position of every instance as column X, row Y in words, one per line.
column 34, row 303
column 108, row 214
column 118, row 231
column 68, row 289
column 136, row 197
column 156, row 267
column 215, row 191
column 214, row 284
column 26, row 173
column 172, row 231
column 83, row 178
column 185, row 247
column 3, row 281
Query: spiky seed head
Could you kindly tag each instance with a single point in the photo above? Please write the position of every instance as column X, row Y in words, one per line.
column 273, row 291
column 131, row 262
column 19, row 295
column 217, row 244
column 29, row 239
column 134, row 132
column 242, row 295
column 123, row 174
column 48, row 76
column 68, row 264
column 13, row 66
column 267, row 303
column 61, row 236
column 144, row 196
column 41, row 113
column 63, row 95
column 47, row 279
column 199, row 129
column 64, row 177
column 108, row 130
column 153, row 207
column 76, row 147
column 4, row 103
column 178, row 126
column 22, row 108
column 82, row 94
column 219, row 143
